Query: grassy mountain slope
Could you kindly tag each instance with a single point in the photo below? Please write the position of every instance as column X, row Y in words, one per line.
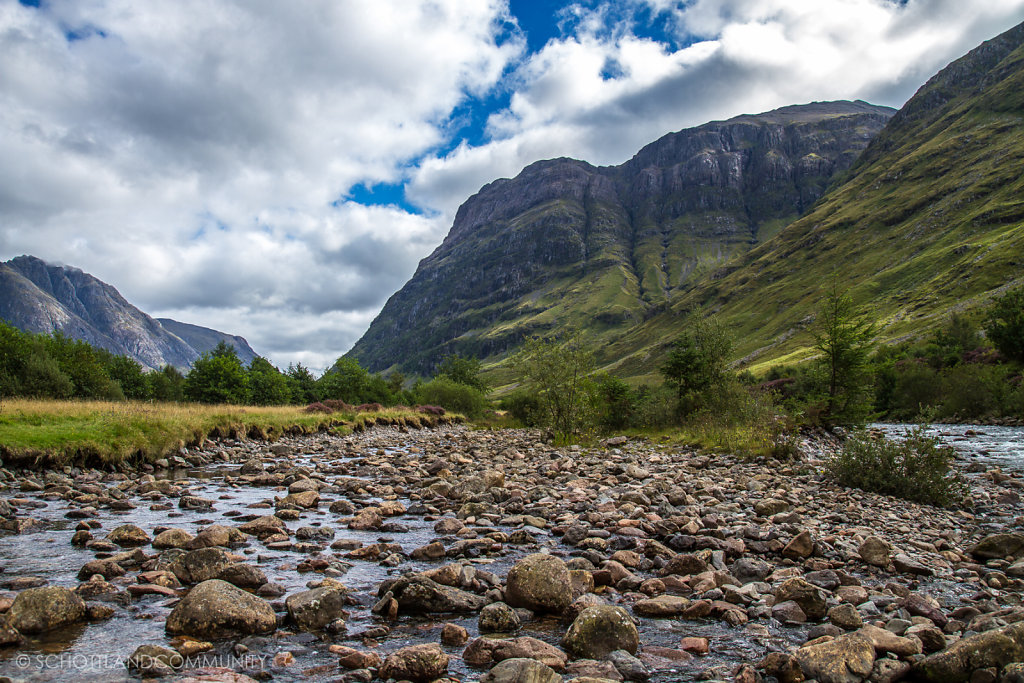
column 569, row 244
column 930, row 219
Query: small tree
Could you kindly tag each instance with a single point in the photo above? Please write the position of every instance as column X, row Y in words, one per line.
column 558, row 372
column 698, row 359
column 302, row 383
column 1004, row 324
column 167, row 385
column 217, row 377
column 267, row 386
column 845, row 341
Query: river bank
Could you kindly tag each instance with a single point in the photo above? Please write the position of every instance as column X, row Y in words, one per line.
column 726, row 566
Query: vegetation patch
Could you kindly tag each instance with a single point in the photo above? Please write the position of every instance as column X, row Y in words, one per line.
column 915, row 468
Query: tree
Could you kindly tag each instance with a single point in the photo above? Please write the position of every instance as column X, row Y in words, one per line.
column 303, row 384
column 845, row 341
column 698, row 359
column 168, row 384
column 558, row 372
column 267, row 386
column 217, row 377
column 128, row 373
column 1004, row 324
column 454, row 396
column 462, row 370
column 345, row 381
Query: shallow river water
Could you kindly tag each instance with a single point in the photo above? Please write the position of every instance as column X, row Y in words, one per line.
column 97, row 651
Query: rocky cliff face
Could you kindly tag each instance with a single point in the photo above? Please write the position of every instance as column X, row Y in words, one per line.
column 602, row 248
column 38, row 297
column 929, row 219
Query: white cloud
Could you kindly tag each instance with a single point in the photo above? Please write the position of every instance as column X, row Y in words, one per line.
column 192, row 153
column 738, row 56
column 189, row 153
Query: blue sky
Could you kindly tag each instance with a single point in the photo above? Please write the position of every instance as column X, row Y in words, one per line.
column 277, row 170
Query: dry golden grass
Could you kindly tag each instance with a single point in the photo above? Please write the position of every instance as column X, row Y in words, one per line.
column 99, row 432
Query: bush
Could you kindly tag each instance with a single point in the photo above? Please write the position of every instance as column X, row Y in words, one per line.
column 525, row 407
column 915, row 468
column 458, row 398
column 317, row 408
column 431, row 410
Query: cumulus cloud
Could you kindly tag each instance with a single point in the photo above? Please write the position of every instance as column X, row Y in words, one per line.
column 201, row 156
column 602, row 91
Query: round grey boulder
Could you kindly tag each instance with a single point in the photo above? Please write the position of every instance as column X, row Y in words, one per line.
column 217, row 609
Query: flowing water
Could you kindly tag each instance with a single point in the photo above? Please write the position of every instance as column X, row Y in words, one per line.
column 97, row 651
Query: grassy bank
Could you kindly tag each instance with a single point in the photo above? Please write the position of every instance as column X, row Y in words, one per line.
column 99, row 432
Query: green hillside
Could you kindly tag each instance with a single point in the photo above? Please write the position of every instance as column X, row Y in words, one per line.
column 929, row 220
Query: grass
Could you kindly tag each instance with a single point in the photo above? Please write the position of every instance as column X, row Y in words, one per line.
column 105, row 433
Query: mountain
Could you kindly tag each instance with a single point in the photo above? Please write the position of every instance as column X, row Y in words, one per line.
column 204, row 339
column 604, row 248
column 39, row 297
column 930, row 219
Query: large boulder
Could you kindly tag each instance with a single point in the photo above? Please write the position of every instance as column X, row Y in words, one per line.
column 811, row 599
column 521, row 670
column 995, row 648
column 847, row 659
column 314, row 609
column 540, row 583
column 128, row 536
column 999, row 546
column 196, row 566
column 875, row 551
column 217, row 609
column 599, row 631
column 527, row 647
column 419, row 594
column 415, row 663
column 37, row 610
column 498, row 618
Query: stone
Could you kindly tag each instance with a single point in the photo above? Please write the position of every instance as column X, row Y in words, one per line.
column 600, row 630
column 846, row 617
column 999, row 546
column 810, row 598
column 521, row 670
column 631, row 668
column 217, row 609
column 770, row 506
column 847, row 659
column 418, row 663
column 453, row 635
column 661, row 606
column 108, row 569
column 38, row 610
column 684, row 564
column 498, row 618
column 418, row 594
column 747, row 569
column 153, row 661
column 789, row 613
column 875, row 551
column 800, row 547
column 314, row 609
column 172, row 538
column 200, row 565
column 302, row 499
column 540, row 583
column 995, row 648
column 128, row 536
column 242, row 575
column 886, row 641
column 527, row 647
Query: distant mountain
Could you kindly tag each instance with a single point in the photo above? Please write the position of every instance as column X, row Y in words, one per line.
column 39, row 297
column 204, row 339
column 930, row 219
column 604, row 248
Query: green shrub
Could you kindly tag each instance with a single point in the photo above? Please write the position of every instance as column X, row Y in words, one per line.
column 458, row 398
column 525, row 407
column 915, row 468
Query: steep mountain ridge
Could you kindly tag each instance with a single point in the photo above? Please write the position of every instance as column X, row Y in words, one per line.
column 930, row 219
column 39, row 297
column 568, row 243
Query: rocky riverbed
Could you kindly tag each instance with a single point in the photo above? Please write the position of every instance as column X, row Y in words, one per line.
column 473, row 555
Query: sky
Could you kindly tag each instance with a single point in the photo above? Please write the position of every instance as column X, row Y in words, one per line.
column 278, row 169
